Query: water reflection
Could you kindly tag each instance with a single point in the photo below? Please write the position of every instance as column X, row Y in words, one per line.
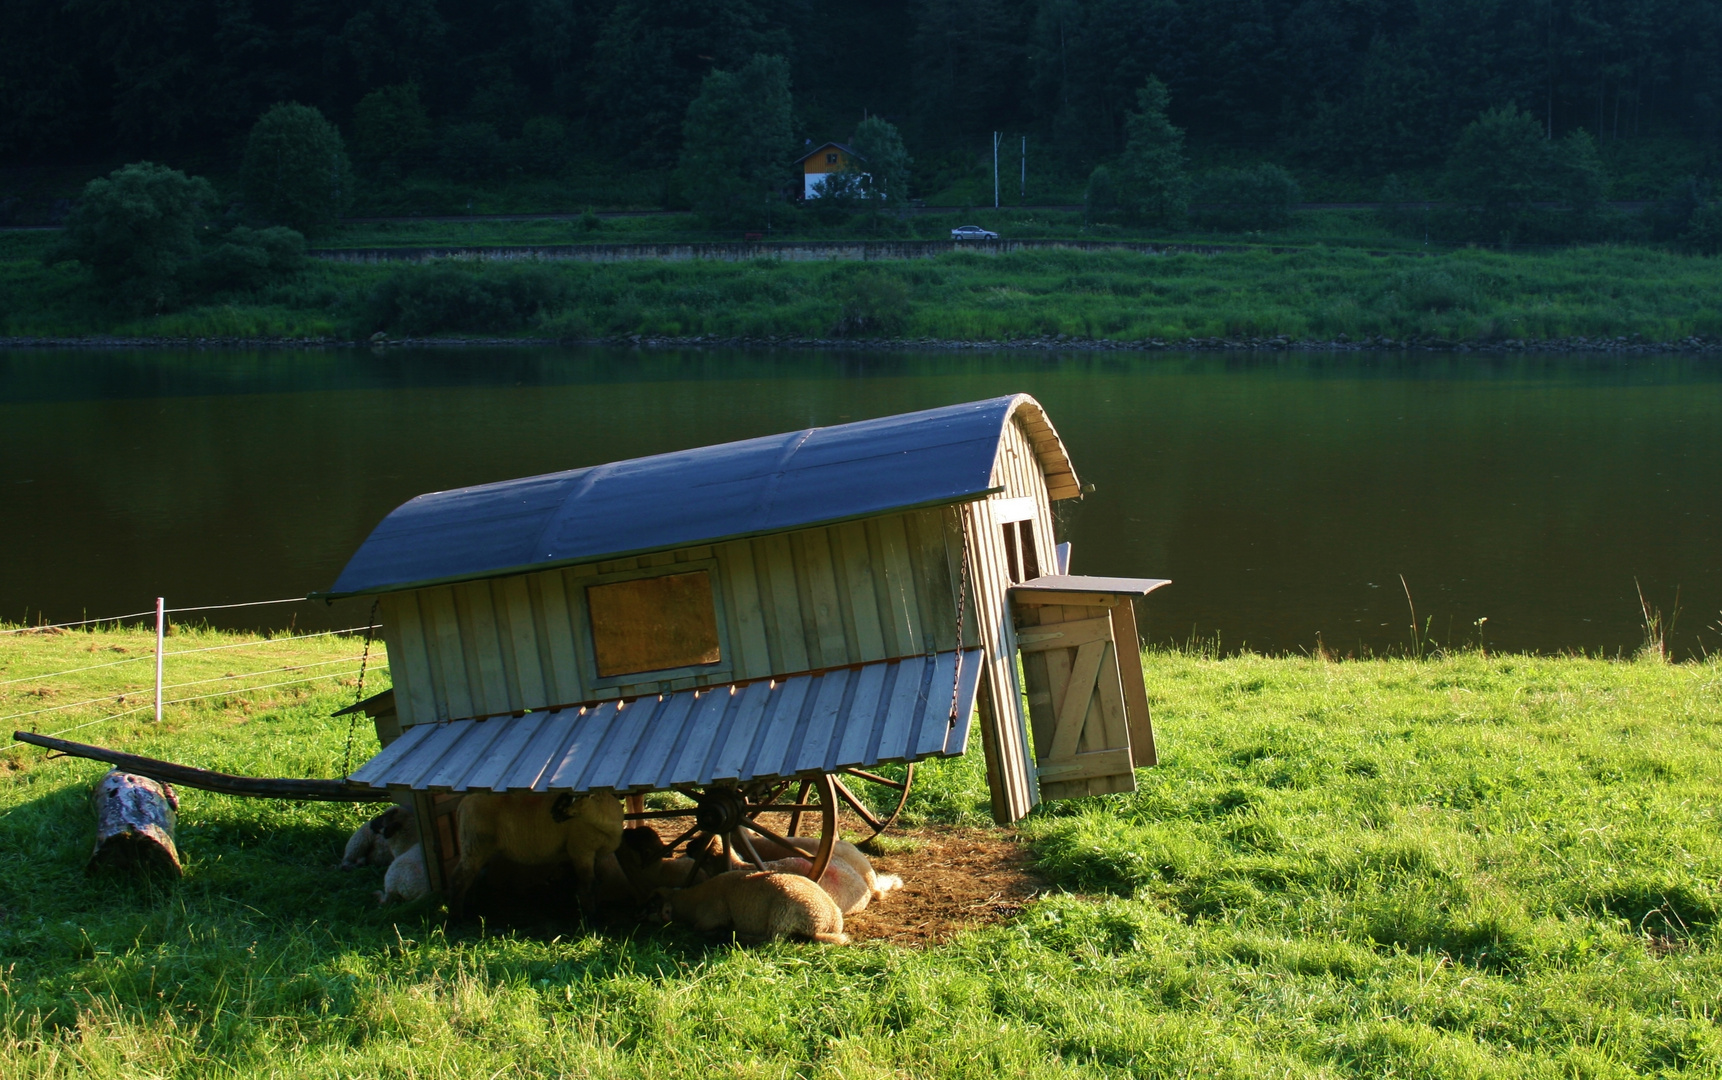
column 1285, row 494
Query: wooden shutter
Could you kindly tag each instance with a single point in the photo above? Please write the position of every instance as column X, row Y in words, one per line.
column 1086, row 697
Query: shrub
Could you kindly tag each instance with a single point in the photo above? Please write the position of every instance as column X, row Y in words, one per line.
column 1261, row 197
column 543, row 146
column 449, row 298
column 138, row 230
column 1704, row 230
column 1100, row 200
column 295, row 170
column 390, row 128
column 246, row 258
column 874, row 304
column 472, row 152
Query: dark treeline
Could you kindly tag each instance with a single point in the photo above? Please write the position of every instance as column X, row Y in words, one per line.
column 1367, row 86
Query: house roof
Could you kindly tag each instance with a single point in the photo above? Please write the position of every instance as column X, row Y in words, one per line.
column 822, row 146
column 802, row 479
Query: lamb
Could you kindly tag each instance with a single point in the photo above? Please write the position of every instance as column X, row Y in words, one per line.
column 381, row 840
column 840, row 880
column 535, row 830
column 842, row 851
column 643, row 862
column 758, row 906
column 406, row 880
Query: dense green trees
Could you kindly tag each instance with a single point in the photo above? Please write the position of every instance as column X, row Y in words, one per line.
column 149, row 236
column 295, row 170
column 737, row 144
column 1380, row 85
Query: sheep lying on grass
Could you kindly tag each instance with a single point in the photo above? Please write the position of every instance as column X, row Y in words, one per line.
column 757, row 906
column 849, row 877
column 535, row 830
column 645, row 864
column 381, row 840
column 406, row 880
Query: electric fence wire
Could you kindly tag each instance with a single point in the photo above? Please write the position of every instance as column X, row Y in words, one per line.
column 199, row 697
column 186, row 652
column 151, row 611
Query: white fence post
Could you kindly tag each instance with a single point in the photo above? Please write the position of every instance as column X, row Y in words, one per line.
column 160, row 634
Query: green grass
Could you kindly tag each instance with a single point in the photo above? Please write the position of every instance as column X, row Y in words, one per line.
column 1314, row 294
column 1469, row 867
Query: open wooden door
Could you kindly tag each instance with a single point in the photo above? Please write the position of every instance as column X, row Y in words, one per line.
column 1082, row 663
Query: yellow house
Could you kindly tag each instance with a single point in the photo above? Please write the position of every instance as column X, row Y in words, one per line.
column 821, row 162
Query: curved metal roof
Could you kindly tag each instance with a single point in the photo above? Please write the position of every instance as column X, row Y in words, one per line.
column 802, row 479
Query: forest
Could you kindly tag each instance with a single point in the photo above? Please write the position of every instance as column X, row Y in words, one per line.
column 1350, row 89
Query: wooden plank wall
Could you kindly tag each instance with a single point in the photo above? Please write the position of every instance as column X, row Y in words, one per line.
column 788, row 603
column 1004, row 725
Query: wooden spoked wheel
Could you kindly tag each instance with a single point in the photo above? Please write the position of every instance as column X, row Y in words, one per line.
column 747, row 817
column 874, row 798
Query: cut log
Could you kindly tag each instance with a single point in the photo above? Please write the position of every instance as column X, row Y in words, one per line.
column 135, row 818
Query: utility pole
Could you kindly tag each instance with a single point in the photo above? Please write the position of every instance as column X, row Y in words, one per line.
column 1025, row 168
column 996, row 136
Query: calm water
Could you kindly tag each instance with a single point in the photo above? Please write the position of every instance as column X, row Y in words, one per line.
column 1284, row 495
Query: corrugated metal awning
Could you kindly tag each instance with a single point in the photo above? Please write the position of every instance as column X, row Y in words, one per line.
column 890, row 710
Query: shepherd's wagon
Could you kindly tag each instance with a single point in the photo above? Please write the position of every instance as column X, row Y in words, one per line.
column 763, row 626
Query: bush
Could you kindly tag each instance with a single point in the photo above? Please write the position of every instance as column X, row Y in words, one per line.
column 138, row 230
column 472, row 152
column 1256, row 198
column 1704, row 229
column 295, row 170
column 390, row 128
column 1503, row 166
column 1100, row 201
column 244, row 259
column 543, row 146
column 1402, row 209
column 448, row 298
column 874, row 304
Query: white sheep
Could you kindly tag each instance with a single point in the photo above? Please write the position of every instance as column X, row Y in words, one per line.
column 406, row 880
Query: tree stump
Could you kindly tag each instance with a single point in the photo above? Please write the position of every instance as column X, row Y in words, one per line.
column 135, row 819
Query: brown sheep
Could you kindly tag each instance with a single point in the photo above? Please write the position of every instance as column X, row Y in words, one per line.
column 535, row 830
column 645, row 863
column 758, row 906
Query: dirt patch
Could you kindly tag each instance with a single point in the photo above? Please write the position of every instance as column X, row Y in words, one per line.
column 954, row 880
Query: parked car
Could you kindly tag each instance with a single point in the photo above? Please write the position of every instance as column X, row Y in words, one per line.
column 972, row 232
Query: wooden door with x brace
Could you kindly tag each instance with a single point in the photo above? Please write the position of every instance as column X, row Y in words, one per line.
column 1082, row 667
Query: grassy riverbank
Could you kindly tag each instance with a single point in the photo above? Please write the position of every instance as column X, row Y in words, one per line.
column 1318, row 294
column 1473, row 866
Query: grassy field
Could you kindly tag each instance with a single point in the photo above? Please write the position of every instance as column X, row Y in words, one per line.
column 1315, row 294
column 1475, row 866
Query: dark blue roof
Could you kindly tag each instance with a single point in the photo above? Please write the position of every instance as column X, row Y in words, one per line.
column 699, row 496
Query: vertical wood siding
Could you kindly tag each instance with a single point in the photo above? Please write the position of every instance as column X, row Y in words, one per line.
column 1004, row 727
column 802, row 601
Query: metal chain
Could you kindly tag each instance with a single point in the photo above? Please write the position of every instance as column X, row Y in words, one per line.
column 364, row 661
column 962, row 597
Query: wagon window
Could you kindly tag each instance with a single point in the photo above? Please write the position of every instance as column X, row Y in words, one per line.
column 1022, row 562
column 654, row 623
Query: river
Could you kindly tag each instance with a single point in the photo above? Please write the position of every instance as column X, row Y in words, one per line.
column 1284, row 493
